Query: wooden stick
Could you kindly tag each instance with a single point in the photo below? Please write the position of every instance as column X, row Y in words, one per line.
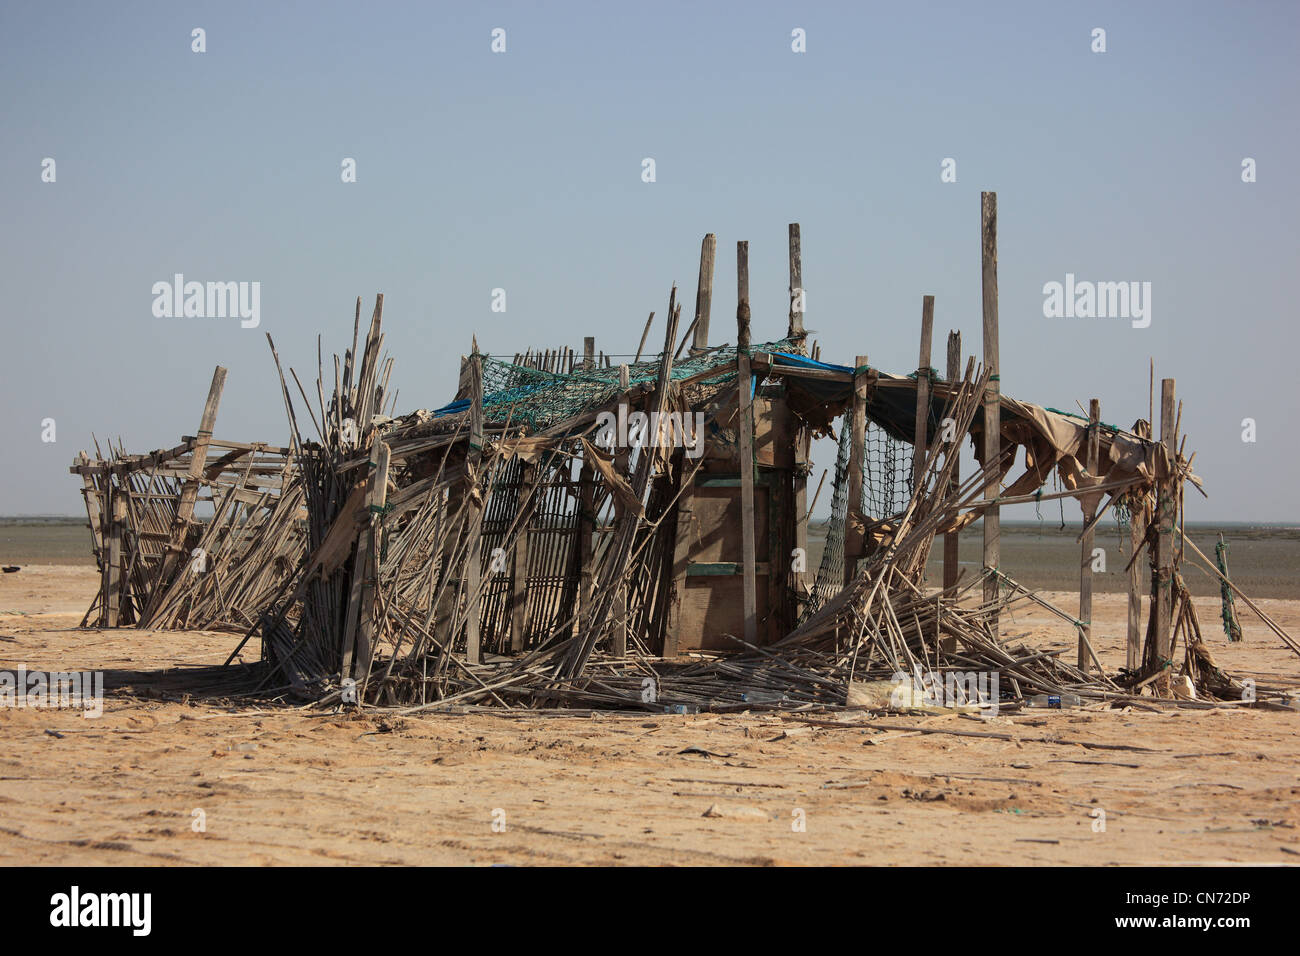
column 473, row 459
column 1085, row 566
column 992, row 395
column 922, row 391
column 644, row 332
column 704, row 293
column 854, row 519
column 952, row 539
column 1166, row 515
column 795, row 332
column 745, row 428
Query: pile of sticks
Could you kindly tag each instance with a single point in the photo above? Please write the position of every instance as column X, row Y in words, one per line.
column 201, row 535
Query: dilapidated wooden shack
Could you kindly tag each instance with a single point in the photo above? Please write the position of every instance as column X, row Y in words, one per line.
column 571, row 530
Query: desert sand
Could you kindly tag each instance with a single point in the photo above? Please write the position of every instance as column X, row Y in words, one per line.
column 280, row 785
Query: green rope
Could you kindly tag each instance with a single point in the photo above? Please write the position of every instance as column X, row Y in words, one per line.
column 1231, row 627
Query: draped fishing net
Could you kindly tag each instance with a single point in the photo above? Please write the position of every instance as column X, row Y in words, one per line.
column 886, row 489
column 537, row 399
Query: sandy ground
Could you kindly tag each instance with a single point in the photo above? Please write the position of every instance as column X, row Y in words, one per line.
column 277, row 786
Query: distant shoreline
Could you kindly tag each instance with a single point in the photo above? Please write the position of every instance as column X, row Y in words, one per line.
column 1046, row 525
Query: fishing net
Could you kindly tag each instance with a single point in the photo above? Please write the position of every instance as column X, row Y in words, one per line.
column 536, row 399
column 886, row 489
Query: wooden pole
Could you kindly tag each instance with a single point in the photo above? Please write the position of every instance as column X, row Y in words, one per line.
column 1089, row 537
column 190, row 490
column 361, row 585
column 704, row 293
column 115, row 582
column 992, row 396
column 519, row 565
column 795, row 332
column 853, row 517
column 586, row 533
column 952, row 539
column 922, row 391
column 801, row 515
column 644, row 332
column 1136, row 534
column 746, row 443
column 620, row 464
column 1166, row 508
column 376, row 501
column 588, row 353
column 473, row 570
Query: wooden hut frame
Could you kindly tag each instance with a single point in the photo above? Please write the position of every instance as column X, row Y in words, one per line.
column 495, row 552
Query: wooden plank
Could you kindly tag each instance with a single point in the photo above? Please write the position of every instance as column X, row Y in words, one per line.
column 992, row 444
column 798, row 580
column 473, row 569
column 1136, row 534
column 697, row 569
column 704, row 293
column 1085, row 568
column 586, row 534
column 922, row 390
column 519, row 566
column 113, row 569
column 853, row 516
column 795, row 330
column 952, row 539
column 745, row 435
column 717, row 514
column 709, row 612
column 376, row 501
column 823, row 374
column 190, row 489
column 644, row 332
column 1162, row 586
column 360, row 572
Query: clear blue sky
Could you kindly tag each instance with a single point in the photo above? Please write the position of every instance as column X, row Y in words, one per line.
column 522, row 171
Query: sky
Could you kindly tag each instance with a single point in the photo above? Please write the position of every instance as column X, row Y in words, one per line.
column 522, row 170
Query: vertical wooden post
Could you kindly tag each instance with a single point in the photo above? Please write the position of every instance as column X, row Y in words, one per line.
column 118, row 525
column 992, row 395
column 922, row 390
column 93, row 504
column 1166, row 506
column 376, row 502
column 362, row 586
column 952, row 539
column 704, row 293
column 1089, row 537
column 745, row 430
column 1136, row 532
column 853, row 517
column 588, row 353
column 519, row 562
column 795, row 332
column 586, row 533
column 800, row 481
column 473, row 560
column 620, row 465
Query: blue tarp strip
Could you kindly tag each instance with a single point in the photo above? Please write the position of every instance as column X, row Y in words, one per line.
column 802, row 360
